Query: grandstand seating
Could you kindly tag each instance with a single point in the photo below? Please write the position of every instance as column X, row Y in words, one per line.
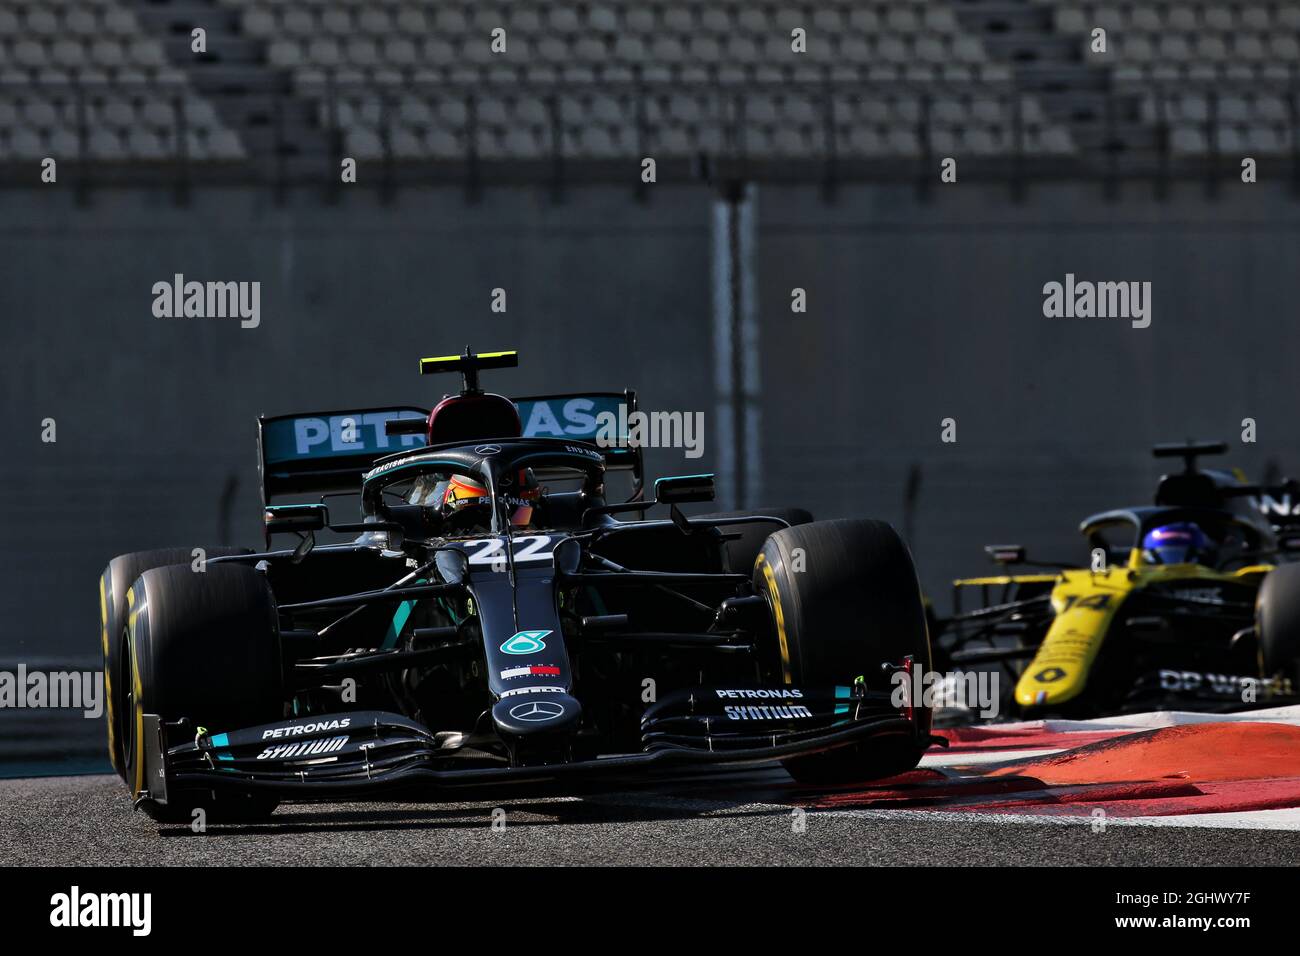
column 1213, row 72
column 418, row 80
column 83, row 79
column 393, row 76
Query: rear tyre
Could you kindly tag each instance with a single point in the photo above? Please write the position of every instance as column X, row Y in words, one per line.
column 203, row 646
column 1277, row 622
column 743, row 551
column 113, row 585
column 844, row 600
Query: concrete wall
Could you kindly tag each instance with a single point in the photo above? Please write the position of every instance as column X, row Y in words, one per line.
column 933, row 310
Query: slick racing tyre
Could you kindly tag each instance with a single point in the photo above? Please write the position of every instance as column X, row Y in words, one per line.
column 204, row 646
column 113, row 584
column 743, row 551
column 844, row 599
column 1277, row 622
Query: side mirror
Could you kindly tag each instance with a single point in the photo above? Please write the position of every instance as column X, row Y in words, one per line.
column 405, row 426
column 1006, row 553
column 299, row 519
column 568, row 556
column 452, row 565
column 681, row 489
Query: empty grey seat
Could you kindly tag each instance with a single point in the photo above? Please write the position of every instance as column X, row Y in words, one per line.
column 967, row 49
column 361, row 51
column 1270, row 139
column 903, row 142
column 362, row 144
column 1220, row 19
column 142, row 143
column 1187, row 139
column 400, row 52
column 1248, row 47
column 40, row 112
column 41, row 21
column 63, row 142
column 604, row 19
column 30, row 53
column 1232, row 109
column 325, row 52
column 376, row 20
column 1257, row 18
column 259, row 22
column 299, row 22
column 863, row 141
column 225, row 144
column 105, row 144
column 414, row 111
column 120, row 22
column 157, row 113
column 406, row 143
column 443, row 143
column 26, row 144
column 79, row 21
column 285, row 53
column 200, row 113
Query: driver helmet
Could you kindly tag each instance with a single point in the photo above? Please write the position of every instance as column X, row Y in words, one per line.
column 1182, row 542
column 464, row 496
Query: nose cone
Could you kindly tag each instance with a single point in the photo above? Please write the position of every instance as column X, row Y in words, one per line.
column 540, row 712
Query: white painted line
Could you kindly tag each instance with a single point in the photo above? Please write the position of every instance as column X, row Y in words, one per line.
column 1250, row 820
column 945, row 759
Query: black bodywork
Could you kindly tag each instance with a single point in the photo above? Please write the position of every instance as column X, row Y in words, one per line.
column 589, row 644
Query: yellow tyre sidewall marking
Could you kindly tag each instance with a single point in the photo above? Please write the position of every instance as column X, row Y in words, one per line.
column 774, row 598
column 139, row 694
column 108, row 677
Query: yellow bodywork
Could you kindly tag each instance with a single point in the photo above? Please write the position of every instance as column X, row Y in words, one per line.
column 1084, row 604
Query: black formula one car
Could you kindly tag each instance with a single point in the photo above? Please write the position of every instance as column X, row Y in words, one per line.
column 1184, row 604
column 496, row 619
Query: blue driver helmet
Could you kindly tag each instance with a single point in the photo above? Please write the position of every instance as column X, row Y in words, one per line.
column 1181, row 543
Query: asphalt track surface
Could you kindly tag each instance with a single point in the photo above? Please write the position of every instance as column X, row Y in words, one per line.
column 713, row 820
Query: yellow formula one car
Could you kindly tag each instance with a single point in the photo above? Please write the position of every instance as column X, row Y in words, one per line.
column 1183, row 605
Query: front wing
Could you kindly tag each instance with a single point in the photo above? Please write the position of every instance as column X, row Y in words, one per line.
column 365, row 753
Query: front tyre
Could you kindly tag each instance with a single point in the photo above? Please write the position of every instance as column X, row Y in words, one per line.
column 203, row 646
column 1277, row 622
column 113, row 585
column 844, row 599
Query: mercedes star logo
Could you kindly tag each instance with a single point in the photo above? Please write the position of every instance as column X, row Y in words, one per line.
column 486, row 450
column 535, row 711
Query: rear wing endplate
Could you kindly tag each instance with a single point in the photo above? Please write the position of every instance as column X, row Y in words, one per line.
column 321, row 452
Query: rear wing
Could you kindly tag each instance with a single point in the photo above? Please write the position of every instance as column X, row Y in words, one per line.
column 323, row 452
column 1279, row 505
